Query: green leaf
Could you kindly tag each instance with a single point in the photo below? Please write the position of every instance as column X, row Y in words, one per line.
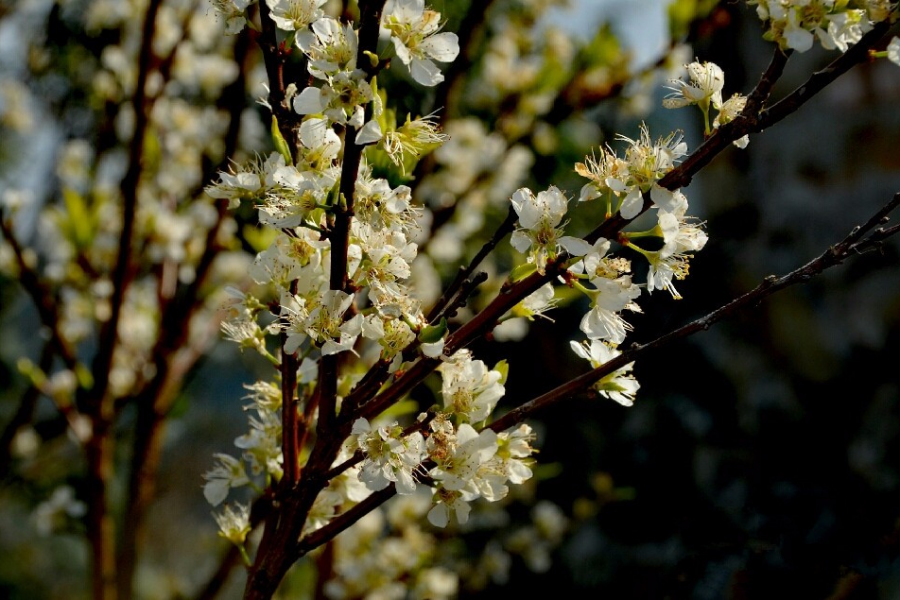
column 433, row 333
column 281, row 144
column 259, row 238
column 503, row 367
column 522, row 271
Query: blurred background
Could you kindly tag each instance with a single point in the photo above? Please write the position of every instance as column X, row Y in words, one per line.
column 761, row 457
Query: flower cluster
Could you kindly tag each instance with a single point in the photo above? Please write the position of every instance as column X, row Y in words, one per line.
column 466, row 463
column 605, row 278
column 622, row 182
column 837, row 24
column 539, row 228
column 472, row 465
column 704, row 89
column 374, row 316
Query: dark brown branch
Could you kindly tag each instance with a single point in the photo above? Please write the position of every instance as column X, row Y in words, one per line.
column 855, row 55
column 747, row 123
column 273, row 59
column 276, row 552
column 854, row 243
column 437, row 311
column 290, row 438
column 370, row 18
column 343, row 521
column 760, row 94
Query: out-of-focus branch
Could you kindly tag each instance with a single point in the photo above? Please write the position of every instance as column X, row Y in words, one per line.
column 129, row 187
column 99, row 448
column 24, row 413
column 41, row 295
column 854, row 243
column 170, row 365
column 447, row 93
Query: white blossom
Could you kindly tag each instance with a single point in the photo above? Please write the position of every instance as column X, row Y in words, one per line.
column 227, row 474
column 295, row 15
column 619, row 385
column 893, row 51
column 469, row 388
column 414, row 33
column 234, row 523
column 390, row 456
column 704, row 88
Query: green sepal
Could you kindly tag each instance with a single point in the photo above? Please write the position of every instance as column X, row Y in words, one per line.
column 259, row 238
column 503, row 368
column 333, row 194
column 433, row 333
column 522, row 271
column 281, row 144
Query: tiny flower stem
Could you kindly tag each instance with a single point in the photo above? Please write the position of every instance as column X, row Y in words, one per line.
column 653, row 232
column 244, row 555
column 578, row 286
column 638, row 249
column 704, row 108
column 270, row 357
column 312, row 227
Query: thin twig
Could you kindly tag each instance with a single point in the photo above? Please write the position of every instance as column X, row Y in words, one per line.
column 852, row 244
column 343, row 521
column 24, row 413
column 100, row 446
column 502, row 231
column 747, row 123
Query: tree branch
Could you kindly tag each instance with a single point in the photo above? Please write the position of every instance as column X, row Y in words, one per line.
column 854, row 243
column 154, row 401
column 42, row 297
